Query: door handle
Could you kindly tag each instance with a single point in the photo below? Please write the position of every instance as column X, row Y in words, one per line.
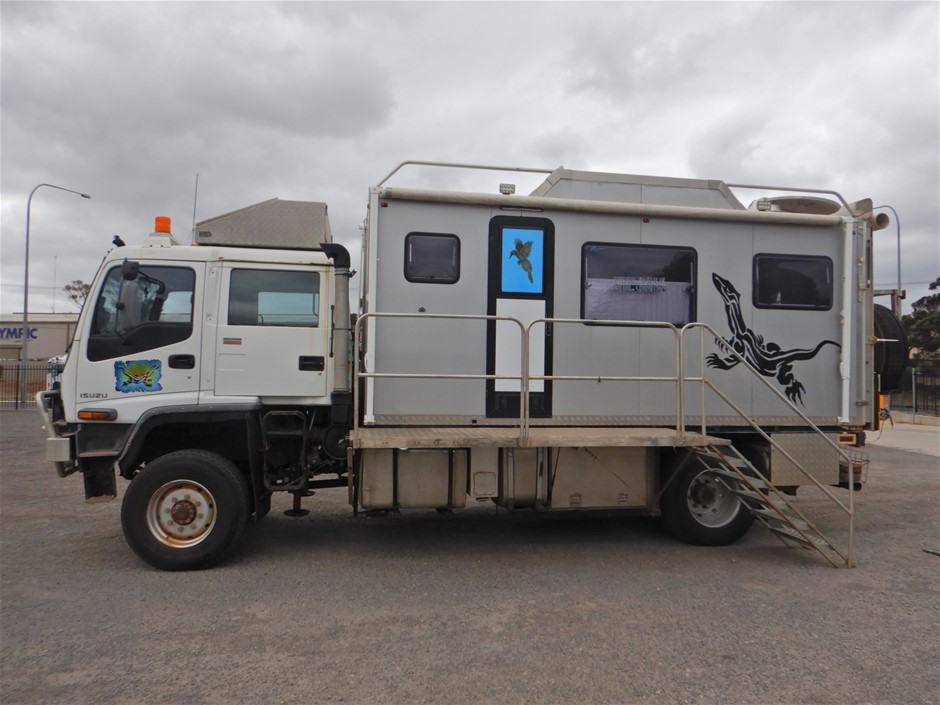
column 310, row 363
column 182, row 362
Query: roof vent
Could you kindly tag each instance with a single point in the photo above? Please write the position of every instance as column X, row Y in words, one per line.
column 810, row 205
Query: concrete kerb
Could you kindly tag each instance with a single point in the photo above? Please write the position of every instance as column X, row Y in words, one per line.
column 918, row 419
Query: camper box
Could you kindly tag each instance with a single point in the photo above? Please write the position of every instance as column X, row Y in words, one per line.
column 787, row 290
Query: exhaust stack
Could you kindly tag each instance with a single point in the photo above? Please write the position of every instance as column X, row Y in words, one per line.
column 342, row 334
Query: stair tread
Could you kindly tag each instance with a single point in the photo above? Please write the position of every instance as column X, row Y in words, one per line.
column 774, row 512
column 755, row 481
column 794, row 535
column 791, row 521
column 765, row 499
column 726, row 451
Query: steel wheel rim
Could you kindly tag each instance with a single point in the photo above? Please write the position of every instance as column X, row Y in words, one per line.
column 181, row 514
column 710, row 502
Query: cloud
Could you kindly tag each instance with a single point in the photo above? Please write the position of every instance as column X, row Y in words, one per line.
column 128, row 101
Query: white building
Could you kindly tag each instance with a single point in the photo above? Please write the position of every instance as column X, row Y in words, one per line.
column 49, row 335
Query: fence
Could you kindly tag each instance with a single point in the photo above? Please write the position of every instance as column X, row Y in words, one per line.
column 39, row 376
column 920, row 391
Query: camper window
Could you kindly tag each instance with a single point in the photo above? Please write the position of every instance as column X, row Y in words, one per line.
column 152, row 310
column 637, row 283
column 264, row 297
column 792, row 282
column 432, row 258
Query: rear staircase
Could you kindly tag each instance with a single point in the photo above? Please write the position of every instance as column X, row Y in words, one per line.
column 769, row 505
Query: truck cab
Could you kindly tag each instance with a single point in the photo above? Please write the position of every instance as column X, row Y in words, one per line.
column 231, row 350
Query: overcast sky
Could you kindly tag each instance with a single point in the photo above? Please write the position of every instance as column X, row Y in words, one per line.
column 318, row 101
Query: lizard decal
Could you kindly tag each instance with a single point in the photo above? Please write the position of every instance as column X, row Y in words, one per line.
column 767, row 358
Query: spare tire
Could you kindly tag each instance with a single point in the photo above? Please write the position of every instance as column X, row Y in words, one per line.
column 890, row 357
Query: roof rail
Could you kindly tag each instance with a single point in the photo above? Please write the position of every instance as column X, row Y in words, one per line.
column 454, row 165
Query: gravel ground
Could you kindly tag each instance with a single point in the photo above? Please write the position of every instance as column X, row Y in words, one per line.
column 477, row 607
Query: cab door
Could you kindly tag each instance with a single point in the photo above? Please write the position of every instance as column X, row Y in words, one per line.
column 273, row 333
column 142, row 346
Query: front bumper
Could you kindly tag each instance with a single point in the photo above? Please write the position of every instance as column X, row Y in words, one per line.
column 59, row 441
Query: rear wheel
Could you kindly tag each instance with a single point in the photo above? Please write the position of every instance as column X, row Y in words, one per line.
column 699, row 509
column 185, row 510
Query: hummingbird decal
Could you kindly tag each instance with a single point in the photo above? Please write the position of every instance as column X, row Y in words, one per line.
column 521, row 253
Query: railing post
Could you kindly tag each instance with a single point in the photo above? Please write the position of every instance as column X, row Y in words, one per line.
column 701, row 357
column 680, row 387
column 524, row 381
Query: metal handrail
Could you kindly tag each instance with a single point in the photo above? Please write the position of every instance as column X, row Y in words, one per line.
column 848, row 510
column 680, row 413
column 361, row 374
column 456, row 165
column 525, row 377
column 806, row 420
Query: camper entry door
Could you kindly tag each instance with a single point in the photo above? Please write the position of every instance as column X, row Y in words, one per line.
column 521, row 286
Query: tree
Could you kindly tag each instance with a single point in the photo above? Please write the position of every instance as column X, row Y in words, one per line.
column 922, row 327
column 77, row 292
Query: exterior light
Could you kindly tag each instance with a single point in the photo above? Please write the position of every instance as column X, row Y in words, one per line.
column 97, row 414
column 161, row 224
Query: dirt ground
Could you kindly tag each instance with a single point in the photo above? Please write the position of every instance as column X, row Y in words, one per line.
column 482, row 606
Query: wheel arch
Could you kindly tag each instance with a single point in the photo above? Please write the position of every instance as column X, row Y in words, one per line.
column 162, row 431
column 230, row 431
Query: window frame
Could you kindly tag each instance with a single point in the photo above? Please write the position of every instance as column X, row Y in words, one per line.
column 755, row 281
column 545, row 265
column 143, row 335
column 693, row 298
column 236, row 272
column 417, row 279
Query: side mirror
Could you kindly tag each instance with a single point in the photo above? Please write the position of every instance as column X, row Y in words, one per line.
column 130, row 270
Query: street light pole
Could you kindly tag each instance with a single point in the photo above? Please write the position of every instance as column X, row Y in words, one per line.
column 29, row 203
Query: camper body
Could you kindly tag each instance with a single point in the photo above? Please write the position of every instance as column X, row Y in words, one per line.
column 607, row 342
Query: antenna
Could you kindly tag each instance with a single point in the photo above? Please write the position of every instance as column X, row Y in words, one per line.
column 195, row 196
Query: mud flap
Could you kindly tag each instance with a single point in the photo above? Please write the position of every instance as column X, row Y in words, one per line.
column 100, row 479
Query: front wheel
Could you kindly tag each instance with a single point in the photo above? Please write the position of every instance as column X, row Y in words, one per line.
column 185, row 510
column 699, row 509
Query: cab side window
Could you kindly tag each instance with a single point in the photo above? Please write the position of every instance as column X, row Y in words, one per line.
column 152, row 310
column 263, row 297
